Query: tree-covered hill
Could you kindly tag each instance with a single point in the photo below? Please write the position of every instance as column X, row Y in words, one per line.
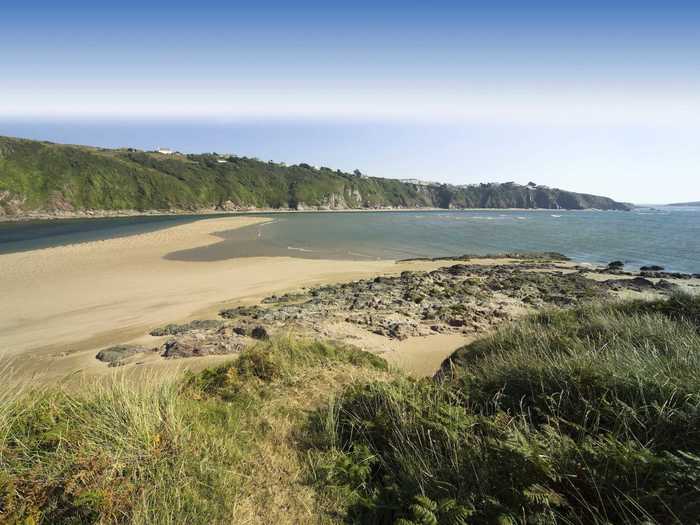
column 45, row 177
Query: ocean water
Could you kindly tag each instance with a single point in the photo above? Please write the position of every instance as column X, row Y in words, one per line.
column 667, row 236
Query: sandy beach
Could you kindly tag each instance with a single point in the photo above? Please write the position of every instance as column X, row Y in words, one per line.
column 60, row 304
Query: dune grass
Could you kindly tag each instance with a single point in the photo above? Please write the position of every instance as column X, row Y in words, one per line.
column 216, row 447
column 589, row 415
column 114, row 452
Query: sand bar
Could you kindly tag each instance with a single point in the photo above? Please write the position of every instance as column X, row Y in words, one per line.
column 59, row 304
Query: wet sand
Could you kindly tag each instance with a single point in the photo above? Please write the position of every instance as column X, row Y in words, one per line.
column 60, row 304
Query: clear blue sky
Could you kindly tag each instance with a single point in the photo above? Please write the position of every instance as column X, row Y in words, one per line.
column 602, row 97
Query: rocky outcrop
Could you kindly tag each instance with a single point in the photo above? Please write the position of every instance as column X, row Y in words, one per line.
column 464, row 298
column 11, row 204
column 177, row 329
column 468, row 297
column 197, row 343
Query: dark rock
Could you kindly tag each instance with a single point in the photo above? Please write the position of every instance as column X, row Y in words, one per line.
column 616, row 265
column 114, row 355
column 196, row 345
column 260, row 333
column 241, row 311
column 666, row 275
column 652, row 268
column 537, row 256
column 286, row 298
column 175, row 348
column 455, row 298
column 176, row 329
column 637, row 284
column 667, row 285
column 641, row 282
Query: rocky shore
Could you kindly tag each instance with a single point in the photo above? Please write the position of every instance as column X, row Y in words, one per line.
column 469, row 297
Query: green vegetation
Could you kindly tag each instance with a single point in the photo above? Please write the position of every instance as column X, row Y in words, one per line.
column 214, row 448
column 41, row 176
column 581, row 416
column 585, row 415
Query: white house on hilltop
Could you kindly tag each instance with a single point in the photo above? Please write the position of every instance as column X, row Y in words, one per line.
column 165, row 151
column 418, row 182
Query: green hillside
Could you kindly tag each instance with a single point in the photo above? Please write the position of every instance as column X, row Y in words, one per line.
column 46, row 177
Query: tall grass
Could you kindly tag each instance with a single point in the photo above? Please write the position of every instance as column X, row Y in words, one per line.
column 590, row 371
column 107, row 451
column 213, row 447
column 583, row 416
column 590, row 415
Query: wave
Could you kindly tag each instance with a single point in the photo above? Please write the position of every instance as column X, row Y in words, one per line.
column 355, row 254
column 296, row 249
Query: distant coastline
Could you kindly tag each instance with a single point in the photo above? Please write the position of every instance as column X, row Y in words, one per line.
column 50, row 293
column 113, row 214
column 41, row 179
column 689, row 204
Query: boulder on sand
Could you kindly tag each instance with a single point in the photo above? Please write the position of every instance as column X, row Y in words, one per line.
column 616, row 265
column 115, row 355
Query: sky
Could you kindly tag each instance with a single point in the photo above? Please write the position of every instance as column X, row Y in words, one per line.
column 599, row 97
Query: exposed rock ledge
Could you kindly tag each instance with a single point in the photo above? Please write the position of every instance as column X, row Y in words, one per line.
column 465, row 298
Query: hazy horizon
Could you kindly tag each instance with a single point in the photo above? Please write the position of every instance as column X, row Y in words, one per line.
column 599, row 98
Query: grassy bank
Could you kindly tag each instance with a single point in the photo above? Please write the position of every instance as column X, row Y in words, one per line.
column 581, row 416
column 216, row 447
column 589, row 415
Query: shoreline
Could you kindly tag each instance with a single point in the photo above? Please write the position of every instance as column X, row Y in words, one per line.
column 114, row 214
column 62, row 303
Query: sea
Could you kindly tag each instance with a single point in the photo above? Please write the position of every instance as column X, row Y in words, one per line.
column 659, row 235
